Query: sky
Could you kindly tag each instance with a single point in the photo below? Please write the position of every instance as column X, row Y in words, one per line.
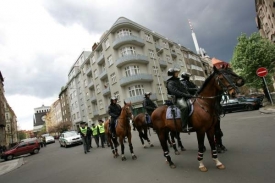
column 41, row 39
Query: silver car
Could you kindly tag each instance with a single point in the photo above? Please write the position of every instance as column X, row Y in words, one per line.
column 69, row 138
column 49, row 139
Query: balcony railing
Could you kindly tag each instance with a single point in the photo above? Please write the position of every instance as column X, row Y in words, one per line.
column 103, row 75
column 131, row 59
column 91, row 85
column 173, row 53
column 89, row 71
column 140, row 98
column 93, row 98
column 163, row 63
column 100, row 59
column 95, row 113
column 128, row 39
column 106, row 91
column 158, row 48
column 136, row 78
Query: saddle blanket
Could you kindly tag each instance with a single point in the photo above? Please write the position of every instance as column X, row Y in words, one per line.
column 169, row 114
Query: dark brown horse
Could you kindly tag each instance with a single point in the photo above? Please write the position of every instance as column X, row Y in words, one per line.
column 123, row 129
column 142, row 128
column 205, row 115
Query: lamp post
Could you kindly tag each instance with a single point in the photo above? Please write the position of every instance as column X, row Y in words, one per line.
column 160, row 87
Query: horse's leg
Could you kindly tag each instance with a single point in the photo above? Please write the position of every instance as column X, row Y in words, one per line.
column 112, row 146
column 121, row 141
column 169, row 141
column 173, row 134
column 210, row 136
column 146, row 137
column 140, row 134
column 179, row 142
column 162, row 134
column 200, row 137
column 129, row 136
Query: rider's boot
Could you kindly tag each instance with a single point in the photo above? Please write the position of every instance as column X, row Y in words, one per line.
column 113, row 131
column 184, row 121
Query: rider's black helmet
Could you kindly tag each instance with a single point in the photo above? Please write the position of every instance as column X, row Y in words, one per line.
column 113, row 98
column 147, row 93
column 185, row 75
column 171, row 71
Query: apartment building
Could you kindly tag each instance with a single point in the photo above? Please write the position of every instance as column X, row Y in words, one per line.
column 2, row 111
column 265, row 10
column 54, row 116
column 11, row 125
column 65, row 106
column 39, row 117
column 129, row 60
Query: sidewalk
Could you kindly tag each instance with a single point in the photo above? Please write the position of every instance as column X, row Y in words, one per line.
column 7, row 166
column 267, row 110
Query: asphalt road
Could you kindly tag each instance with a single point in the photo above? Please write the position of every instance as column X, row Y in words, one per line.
column 249, row 137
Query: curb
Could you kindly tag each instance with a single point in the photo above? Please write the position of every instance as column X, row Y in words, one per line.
column 19, row 163
column 267, row 111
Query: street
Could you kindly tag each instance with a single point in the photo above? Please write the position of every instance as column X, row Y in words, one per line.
column 248, row 136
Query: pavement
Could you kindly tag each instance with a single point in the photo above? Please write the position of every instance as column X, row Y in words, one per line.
column 7, row 166
column 267, row 110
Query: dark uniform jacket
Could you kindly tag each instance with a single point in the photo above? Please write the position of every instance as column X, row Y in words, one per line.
column 190, row 86
column 176, row 88
column 114, row 110
column 149, row 105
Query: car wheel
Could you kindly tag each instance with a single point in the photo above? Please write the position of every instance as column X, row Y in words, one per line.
column 249, row 107
column 9, row 157
column 35, row 151
column 61, row 145
column 65, row 145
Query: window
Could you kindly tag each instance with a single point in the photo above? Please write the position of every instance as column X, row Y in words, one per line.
column 159, row 86
column 151, row 53
column 77, row 115
column 100, row 104
column 124, row 32
column 87, row 93
column 110, row 60
column 107, row 44
column 98, row 88
column 129, row 50
column 93, row 59
column 113, row 78
column 85, row 82
column 103, row 67
column 165, row 44
column 116, row 94
column 136, row 90
column 84, row 70
column 7, row 116
column 156, row 70
column 168, row 58
column 147, row 37
column 96, row 73
column 132, row 70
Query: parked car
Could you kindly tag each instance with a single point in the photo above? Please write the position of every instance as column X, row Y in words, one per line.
column 69, row 138
column 237, row 105
column 26, row 146
column 50, row 139
column 257, row 102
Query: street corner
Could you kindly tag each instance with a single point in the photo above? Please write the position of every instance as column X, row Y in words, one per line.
column 11, row 165
column 267, row 110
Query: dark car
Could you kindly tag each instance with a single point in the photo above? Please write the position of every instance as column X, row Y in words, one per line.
column 26, row 146
column 256, row 101
column 237, row 105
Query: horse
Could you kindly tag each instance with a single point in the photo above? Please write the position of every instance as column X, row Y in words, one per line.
column 204, row 117
column 123, row 129
column 142, row 128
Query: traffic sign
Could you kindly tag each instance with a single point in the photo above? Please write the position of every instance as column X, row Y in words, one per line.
column 261, row 72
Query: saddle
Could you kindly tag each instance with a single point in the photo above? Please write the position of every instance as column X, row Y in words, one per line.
column 173, row 112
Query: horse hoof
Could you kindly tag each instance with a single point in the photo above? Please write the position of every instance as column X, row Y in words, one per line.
column 221, row 167
column 177, row 153
column 183, row 149
column 203, row 169
column 144, row 147
column 123, row 159
column 134, row 157
column 152, row 145
column 171, row 145
column 173, row 166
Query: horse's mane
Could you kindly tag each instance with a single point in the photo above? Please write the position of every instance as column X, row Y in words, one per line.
column 206, row 82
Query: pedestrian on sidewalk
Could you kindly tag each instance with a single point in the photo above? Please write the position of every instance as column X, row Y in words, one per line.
column 101, row 132
column 89, row 137
column 83, row 132
column 41, row 141
column 95, row 134
column 44, row 141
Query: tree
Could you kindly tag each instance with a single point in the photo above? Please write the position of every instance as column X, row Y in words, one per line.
column 251, row 53
column 21, row 135
column 64, row 126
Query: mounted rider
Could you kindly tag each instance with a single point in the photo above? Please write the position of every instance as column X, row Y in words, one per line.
column 114, row 111
column 149, row 106
column 189, row 85
column 178, row 90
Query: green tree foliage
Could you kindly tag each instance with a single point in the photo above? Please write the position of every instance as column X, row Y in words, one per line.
column 21, row 135
column 251, row 53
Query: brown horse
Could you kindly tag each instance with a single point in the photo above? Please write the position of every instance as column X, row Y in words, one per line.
column 123, row 129
column 142, row 128
column 205, row 114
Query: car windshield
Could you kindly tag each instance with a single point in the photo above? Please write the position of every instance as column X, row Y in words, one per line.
column 49, row 137
column 70, row 134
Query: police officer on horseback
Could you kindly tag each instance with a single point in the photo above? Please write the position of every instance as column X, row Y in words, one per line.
column 149, row 106
column 189, row 85
column 181, row 94
column 114, row 111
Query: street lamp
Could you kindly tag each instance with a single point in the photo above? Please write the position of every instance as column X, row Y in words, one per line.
column 160, row 86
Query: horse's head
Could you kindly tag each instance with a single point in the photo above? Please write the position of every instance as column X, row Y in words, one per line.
column 228, row 81
column 128, row 110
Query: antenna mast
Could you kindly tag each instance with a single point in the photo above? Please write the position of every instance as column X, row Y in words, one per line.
column 194, row 38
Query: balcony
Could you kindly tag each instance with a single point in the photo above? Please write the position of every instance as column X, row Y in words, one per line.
column 100, row 59
column 140, row 98
column 162, row 63
column 127, row 59
column 93, row 98
column 89, row 71
column 159, row 48
column 141, row 78
column 128, row 39
column 106, row 91
column 173, row 53
column 164, row 77
column 95, row 113
column 91, row 85
column 103, row 75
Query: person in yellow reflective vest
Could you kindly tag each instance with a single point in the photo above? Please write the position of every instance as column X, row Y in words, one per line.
column 83, row 132
column 101, row 132
column 95, row 134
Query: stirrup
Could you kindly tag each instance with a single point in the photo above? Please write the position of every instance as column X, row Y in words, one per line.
column 187, row 129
